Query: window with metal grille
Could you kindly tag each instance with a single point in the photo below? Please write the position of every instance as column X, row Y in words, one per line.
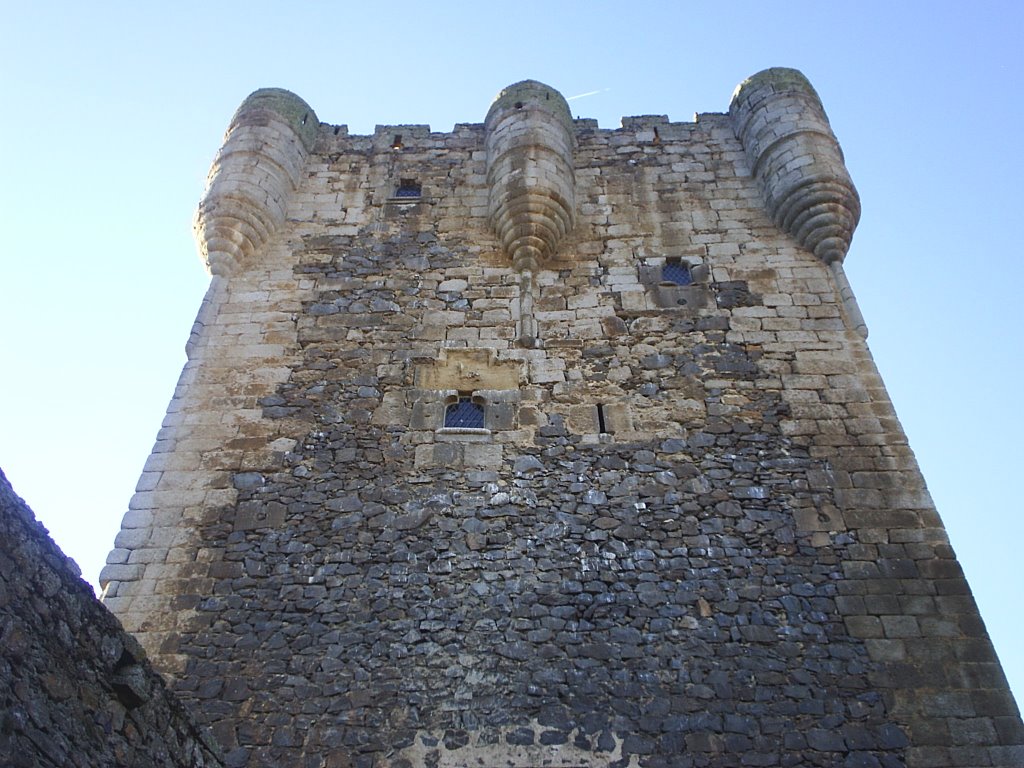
column 464, row 414
column 676, row 272
column 409, row 188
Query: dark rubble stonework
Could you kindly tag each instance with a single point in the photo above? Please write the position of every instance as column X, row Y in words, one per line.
column 649, row 599
column 75, row 688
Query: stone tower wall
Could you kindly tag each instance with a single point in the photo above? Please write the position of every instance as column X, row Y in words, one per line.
column 689, row 532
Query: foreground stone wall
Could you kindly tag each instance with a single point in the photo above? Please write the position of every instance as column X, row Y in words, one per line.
column 689, row 533
column 75, row 688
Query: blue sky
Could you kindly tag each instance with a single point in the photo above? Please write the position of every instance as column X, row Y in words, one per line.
column 113, row 112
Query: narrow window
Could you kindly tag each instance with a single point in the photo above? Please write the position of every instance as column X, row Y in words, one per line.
column 601, row 426
column 657, row 137
column 409, row 188
column 397, row 143
column 676, row 272
column 464, row 414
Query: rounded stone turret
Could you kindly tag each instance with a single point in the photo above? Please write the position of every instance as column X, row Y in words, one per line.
column 796, row 160
column 530, row 141
column 258, row 167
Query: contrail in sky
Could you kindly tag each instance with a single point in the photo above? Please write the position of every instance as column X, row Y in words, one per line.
column 588, row 93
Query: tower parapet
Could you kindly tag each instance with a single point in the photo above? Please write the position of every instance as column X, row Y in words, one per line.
column 799, row 167
column 256, row 170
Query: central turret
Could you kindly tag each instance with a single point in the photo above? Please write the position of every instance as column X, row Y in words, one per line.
column 530, row 143
column 530, row 173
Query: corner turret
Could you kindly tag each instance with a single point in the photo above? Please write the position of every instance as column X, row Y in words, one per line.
column 799, row 167
column 256, row 170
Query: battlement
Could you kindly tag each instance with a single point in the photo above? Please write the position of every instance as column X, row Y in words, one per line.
column 423, row 131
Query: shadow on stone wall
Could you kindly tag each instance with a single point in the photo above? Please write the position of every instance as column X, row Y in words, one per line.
column 75, row 688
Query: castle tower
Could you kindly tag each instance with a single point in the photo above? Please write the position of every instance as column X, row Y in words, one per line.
column 535, row 443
